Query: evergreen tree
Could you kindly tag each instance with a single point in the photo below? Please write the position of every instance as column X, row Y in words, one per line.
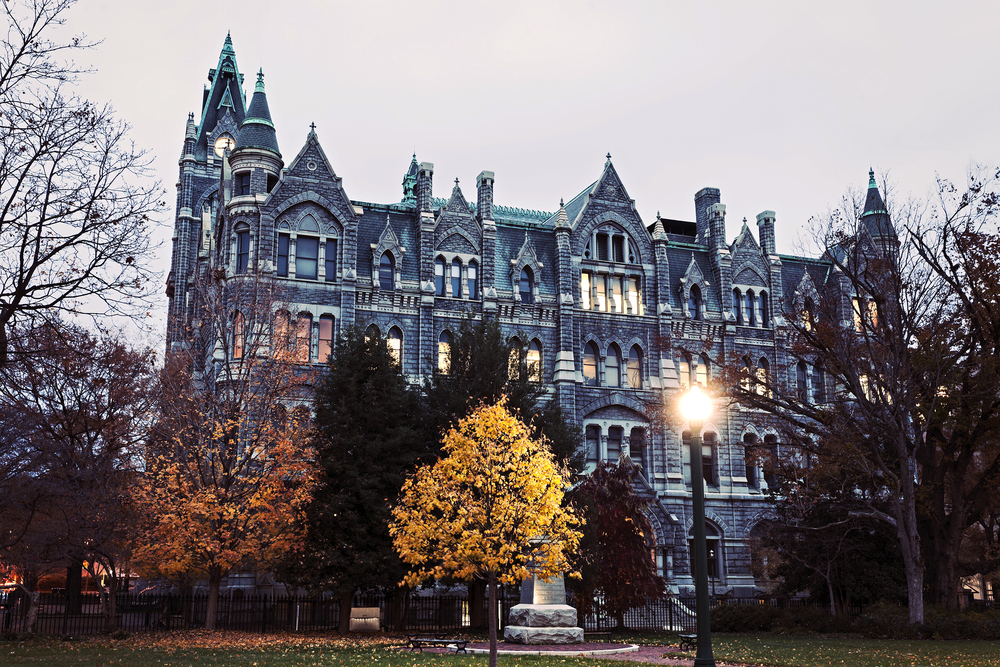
column 366, row 442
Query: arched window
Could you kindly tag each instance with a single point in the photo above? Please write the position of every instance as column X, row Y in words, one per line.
column 763, row 377
column 709, row 455
column 751, row 310
column 471, row 272
column 808, row 314
column 387, row 272
column 444, row 353
column 746, row 375
column 819, row 385
column 303, row 337
column 750, row 459
column 242, row 248
column 801, row 387
column 282, row 333
column 372, row 333
column 395, row 343
column 694, row 303
column 514, row 359
column 765, row 311
column 613, row 366
column 456, row 278
column 769, row 457
column 615, row 436
column 713, row 547
column 637, row 445
column 535, row 361
column 306, row 257
column 701, row 372
column 738, row 306
column 438, row 276
column 635, row 368
column 684, row 371
column 282, row 256
column 325, row 338
column 239, row 335
column 526, row 285
column 590, row 365
column 593, row 443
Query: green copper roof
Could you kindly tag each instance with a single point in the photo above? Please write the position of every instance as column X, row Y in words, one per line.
column 257, row 130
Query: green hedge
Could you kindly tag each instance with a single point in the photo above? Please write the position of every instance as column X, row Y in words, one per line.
column 893, row 622
column 766, row 618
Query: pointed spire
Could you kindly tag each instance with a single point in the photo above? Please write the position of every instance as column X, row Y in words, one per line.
column 410, row 182
column 875, row 217
column 562, row 219
column 227, row 46
column 257, row 130
column 191, row 132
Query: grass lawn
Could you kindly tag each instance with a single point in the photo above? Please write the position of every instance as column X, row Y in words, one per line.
column 229, row 649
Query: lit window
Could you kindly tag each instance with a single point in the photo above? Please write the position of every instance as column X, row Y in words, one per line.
column 601, row 301
column 808, row 314
column 763, row 379
column 514, row 359
column 585, row 290
column 616, row 294
column 526, row 285
column 372, row 333
column 471, row 273
column 634, row 296
column 635, row 368
column 242, row 250
column 303, row 337
column 282, row 254
column 331, row 260
column 325, row 338
column 395, row 343
column 684, row 372
column 456, row 278
column 439, row 276
column 306, row 257
column 282, row 333
column 590, row 365
column 745, row 374
column 444, row 353
column 858, row 325
column 612, row 367
column 239, row 335
column 535, row 361
column 701, row 372
column 387, row 272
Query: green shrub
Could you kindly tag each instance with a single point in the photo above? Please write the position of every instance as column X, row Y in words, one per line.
column 744, row 618
column 886, row 621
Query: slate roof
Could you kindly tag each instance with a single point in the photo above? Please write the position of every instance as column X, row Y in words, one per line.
column 875, row 217
column 257, row 130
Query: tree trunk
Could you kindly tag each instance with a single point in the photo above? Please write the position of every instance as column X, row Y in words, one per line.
column 492, row 618
column 74, row 587
column 400, row 605
column 346, row 601
column 111, row 606
column 212, row 607
column 909, row 541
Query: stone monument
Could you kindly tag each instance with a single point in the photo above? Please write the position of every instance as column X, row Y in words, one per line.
column 543, row 617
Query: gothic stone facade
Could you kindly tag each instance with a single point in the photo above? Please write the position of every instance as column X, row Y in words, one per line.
column 620, row 312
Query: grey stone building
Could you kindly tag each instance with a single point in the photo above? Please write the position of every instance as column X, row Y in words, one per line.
column 619, row 312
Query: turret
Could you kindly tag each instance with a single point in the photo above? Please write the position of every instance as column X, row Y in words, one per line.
column 410, row 183
column 875, row 217
column 256, row 160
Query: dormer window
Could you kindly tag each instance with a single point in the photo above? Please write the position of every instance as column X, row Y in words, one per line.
column 694, row 303
column 526, row 285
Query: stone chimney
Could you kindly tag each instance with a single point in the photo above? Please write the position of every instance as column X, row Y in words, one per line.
column 765, row 231
column 717, row 225
column 425, row 186
column 484, row 202
column 706, row 197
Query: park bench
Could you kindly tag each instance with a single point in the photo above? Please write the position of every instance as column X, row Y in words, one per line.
column 418, row 643
column 365, row 619
column 688, row 641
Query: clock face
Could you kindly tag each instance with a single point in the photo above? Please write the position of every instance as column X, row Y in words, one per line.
column 222, row 143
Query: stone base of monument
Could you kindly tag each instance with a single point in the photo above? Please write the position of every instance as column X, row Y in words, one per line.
column 542, row 624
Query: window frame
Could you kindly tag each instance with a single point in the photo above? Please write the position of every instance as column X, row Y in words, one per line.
column 302, row 242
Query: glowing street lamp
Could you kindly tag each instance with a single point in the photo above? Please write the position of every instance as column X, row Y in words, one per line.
column 696, row 407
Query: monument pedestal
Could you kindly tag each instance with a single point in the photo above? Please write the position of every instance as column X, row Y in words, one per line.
column 543, row 617
column 543, row 624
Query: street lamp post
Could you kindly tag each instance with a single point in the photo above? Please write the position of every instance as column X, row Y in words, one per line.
column 696, row 406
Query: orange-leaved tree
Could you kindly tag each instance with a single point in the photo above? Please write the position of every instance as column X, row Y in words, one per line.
column 230, row 468
column 491, row 507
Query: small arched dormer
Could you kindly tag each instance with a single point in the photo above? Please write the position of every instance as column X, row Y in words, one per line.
column 387, row 260
column 525, row 273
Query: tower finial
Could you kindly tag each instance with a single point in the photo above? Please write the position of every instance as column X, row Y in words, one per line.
column 259, row 88
column 871, row 178
column 609, row 158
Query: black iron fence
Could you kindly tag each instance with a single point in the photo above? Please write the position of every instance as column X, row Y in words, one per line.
column 58, row 614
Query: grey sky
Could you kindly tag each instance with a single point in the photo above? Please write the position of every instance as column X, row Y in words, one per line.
column 781, row 105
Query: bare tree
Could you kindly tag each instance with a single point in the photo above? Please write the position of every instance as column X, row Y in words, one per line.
column 76, row 200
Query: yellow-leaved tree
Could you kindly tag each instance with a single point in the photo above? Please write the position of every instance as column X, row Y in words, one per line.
column 492, row 506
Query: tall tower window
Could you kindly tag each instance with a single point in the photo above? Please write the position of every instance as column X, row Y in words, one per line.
column 444, row 353
column 282, row 255
column 242, row 250
column 456, row 278
column 395, row 343
column 590, row 365
column 694, row 303
column 613, row 367
column 331, row 260
column 535, row 361
column 243, row 183
column 526, row 285
column 387, row 272
column 325, row 338
column 635, row 368
column 438, row 276
column 472, row 276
